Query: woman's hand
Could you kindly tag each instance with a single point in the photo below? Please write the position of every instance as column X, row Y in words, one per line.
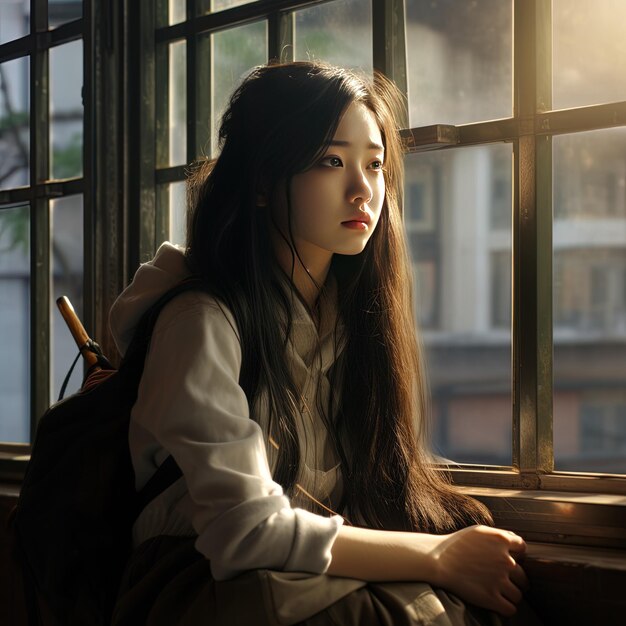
column 479, row 565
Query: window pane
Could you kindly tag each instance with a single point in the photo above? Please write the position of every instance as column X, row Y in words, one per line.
column 14, row 21
column 15, row 325
column 462, row 266
column 177, row 212
column 67, row 280
column 235, row 52
column 66, row 110
column 459, row 61
column 208, row 6
column 590, row 301
column 63, row 11
column 177, row 97
column 338, row 32
column 589, row 52
column 177, row 11
column 14, row 123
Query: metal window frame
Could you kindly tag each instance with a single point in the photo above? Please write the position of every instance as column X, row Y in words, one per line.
column 35, row 46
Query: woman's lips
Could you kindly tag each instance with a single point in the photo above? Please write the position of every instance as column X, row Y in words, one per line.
column 355, row 224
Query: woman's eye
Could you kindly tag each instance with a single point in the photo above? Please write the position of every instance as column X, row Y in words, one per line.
column 376, row 165
column 331, row 162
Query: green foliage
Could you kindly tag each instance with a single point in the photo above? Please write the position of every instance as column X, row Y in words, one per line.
column 14, row 229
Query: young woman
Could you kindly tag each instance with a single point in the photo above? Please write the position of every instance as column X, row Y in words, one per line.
column 291, row 391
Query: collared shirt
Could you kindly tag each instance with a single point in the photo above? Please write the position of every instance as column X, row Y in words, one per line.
column 311, row 353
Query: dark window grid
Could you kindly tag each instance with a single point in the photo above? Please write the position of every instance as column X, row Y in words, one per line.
column 37, row 195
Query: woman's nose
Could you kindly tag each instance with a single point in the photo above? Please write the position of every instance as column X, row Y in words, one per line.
column 360, row 189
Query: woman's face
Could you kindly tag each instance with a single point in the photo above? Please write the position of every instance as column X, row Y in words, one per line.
column 336, row 204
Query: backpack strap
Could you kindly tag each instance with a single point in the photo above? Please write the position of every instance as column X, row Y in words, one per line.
column 165, row 476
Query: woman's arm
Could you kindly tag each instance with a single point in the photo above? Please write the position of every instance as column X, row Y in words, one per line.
column 476, row 563
column 190, row 403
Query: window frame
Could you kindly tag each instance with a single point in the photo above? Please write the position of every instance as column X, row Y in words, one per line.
column 35, row 46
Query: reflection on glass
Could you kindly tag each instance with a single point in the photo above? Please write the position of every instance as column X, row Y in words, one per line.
column 590, row 301
column 177, row 103
column 176, row 198
column 235, row 52
column 462, row 268
column 13, row 20
column 66, row 110
column 14, row 123
column 15, row 325
column 66, row 215
column 338, row 32
column 459, row 61
column 63, row 11
column 589, row 52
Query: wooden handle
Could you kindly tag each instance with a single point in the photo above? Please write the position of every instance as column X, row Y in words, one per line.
column 76, row 329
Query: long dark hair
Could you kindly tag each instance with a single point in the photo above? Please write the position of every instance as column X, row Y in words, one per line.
column 277, row 124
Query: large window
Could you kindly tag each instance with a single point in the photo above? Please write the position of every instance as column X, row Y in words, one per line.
column 514, row 206
column 42, row 199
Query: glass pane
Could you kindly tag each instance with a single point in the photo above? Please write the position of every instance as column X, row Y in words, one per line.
column 14, row 123
column 177, row 103
column 457, row 210
column 338, row 32
column 590, row 301
column 67, row 280
column 589, row 52
column 66, row 110
column 63, row 11
column 178, row 213
column 235, row 52
column 208, row 6
column 15, row 325
column 14, row 20
column 177, row 11
column 459, row 61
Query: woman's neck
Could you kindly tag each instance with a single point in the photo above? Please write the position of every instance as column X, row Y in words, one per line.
column 308, row 281
column 307, row 270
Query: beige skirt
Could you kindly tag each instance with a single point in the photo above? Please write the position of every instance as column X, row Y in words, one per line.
column 168, row 583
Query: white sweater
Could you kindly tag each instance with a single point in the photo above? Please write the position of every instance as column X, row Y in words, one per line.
column 190, row 405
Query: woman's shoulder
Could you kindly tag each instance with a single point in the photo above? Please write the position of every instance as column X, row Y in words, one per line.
column 197, row 311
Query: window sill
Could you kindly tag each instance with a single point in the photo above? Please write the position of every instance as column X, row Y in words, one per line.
column 557, row 517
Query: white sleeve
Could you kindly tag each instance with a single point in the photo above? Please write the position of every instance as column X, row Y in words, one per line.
column 189, row 398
